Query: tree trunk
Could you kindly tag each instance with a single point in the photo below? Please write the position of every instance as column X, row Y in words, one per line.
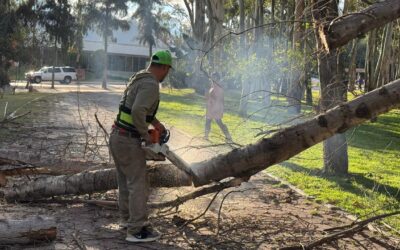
column 31, row 230
column 55, row 56
column 199, row 34
column 237, row 163
column 342, row 30
column 370, row 60
column 381, row 66
column 162, row 175
column 353, row 66
column 336, row 160
column 296, row 88
column 241, row 25
column 333, row 89
column 307, row 73
column 105, row 36
column 293, row 140
column 150, row 51
column 244, row 99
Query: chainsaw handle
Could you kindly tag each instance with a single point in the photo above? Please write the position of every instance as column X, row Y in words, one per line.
column 164, row 138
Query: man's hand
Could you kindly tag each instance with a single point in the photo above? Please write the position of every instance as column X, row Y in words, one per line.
column 147, row 140
column 159, row 126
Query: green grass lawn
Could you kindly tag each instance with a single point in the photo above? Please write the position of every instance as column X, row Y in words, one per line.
column 373, row 186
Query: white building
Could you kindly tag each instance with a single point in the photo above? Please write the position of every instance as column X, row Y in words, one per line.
column 125, row 54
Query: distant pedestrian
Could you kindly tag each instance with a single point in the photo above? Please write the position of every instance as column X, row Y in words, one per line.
column 215, row 107
column 360, row 81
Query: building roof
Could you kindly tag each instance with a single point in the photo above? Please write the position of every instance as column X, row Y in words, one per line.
column 126, row 42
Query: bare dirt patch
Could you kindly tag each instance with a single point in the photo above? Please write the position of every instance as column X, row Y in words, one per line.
column 260, row 214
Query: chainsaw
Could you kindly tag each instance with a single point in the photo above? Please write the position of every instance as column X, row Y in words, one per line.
column 159, row 150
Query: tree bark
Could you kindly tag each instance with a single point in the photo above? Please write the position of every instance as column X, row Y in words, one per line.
column 293, row 140
column 38, row 229
column 105, row 36
column 244, row 98
column 241, row 25
column 345, row 28
column 296, row 88
column 353, row 66
column 370, row 60
column 54, row 63
column 241, row 162
column 333, row 88
column 381, row 71
column 163, row 175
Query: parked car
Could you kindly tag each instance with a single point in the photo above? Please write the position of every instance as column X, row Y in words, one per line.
column 62, row 74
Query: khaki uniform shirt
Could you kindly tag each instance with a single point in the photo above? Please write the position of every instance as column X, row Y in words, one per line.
column 142, row 97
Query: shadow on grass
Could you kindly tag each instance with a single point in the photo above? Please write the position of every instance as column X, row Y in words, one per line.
column 347, row 182
column 377, row 136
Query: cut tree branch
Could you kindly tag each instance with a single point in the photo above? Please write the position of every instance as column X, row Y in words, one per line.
column 293, row 140
column 345, row 28
column 27, row 231
column 354, row 228
column 160, row 175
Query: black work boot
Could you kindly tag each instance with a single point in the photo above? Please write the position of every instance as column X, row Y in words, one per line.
column 146, row 234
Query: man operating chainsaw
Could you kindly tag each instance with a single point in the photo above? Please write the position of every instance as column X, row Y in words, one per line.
column 137, row 110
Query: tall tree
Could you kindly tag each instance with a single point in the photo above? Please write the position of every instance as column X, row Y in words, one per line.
column 12, row 38
column 7, row 42
column 149, row 24
column 106, row 16
column 296, row 88
column 56, row 17
column 333, row 89
column 381, row 69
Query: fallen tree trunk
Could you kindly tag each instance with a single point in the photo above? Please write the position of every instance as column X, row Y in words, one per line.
column 345, row 28
column 161, row 175
column 33, row 171
column 293, row 140
column 10, row 164
column 240, row 162
column 31, row 230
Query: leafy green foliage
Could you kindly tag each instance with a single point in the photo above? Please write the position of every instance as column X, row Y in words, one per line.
column 12, row 36
column 149, row 22
column 106, row 16
column 55, row 16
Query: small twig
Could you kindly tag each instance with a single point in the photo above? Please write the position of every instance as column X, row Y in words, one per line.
column 355, row 228
column 207, row 190
column 101, row 126
column 363, row 222
column 203, row 213
column 222, row 202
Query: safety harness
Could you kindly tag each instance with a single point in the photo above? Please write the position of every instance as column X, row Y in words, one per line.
column 124, row 117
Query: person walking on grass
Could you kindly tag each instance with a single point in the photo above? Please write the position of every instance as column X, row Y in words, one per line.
column 137, row 110
column 215, row 107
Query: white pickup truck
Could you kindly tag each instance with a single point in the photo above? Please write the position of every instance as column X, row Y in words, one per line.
column 62, row 74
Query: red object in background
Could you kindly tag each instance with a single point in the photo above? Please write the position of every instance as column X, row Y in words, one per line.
column 81, row 74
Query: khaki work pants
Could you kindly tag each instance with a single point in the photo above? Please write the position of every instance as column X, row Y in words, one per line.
column 133, row 187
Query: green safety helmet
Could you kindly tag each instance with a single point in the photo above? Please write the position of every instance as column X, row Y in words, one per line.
column 162, row 57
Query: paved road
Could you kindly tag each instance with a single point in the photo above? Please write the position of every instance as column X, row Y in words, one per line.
column 104, row 102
